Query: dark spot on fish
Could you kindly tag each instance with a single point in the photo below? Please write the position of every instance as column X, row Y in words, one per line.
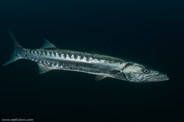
column 45, row 53
column 38, row 52
column 54, row 53
column 121, row 62
column 50, row 53
column 64, row 55
column 34, row 52
column 49, row 64
column 70, row 55
column 54, row 64
column 41, row 52
column 75, row 56
column 81, row 57
column 87, row 58
column 66, row 66
column 26, row 51
column 59, row 54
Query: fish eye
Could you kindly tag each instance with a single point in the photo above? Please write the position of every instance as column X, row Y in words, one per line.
column 146, row 71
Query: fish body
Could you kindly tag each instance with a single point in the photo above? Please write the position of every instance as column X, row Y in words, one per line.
column 48, row 57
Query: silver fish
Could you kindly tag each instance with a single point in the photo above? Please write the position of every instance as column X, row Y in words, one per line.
column 48, row 57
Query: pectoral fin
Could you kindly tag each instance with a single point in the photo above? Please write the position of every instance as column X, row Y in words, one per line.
column 100, row 77
column 43, row 69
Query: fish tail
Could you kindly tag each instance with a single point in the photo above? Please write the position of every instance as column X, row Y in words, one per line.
column 14, row 56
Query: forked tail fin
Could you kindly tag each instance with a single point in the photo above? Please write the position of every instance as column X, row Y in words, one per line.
column 14, row 56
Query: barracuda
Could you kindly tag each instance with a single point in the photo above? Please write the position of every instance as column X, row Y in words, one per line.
column 48, row 58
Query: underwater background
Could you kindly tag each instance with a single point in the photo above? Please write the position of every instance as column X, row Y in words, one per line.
column 148, row 32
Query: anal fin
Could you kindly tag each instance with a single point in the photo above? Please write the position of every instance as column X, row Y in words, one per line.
column 43, row 69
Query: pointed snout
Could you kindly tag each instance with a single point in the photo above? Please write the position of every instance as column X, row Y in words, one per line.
column 159, row 77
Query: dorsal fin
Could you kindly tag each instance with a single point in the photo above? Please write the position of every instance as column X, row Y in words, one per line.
column 47, row 44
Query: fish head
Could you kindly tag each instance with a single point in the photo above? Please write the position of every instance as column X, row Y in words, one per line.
column 139, row 73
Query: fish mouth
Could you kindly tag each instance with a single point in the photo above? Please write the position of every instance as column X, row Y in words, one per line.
column 157, row 78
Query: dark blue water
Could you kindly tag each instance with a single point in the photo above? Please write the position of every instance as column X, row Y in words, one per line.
column 149, row 32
